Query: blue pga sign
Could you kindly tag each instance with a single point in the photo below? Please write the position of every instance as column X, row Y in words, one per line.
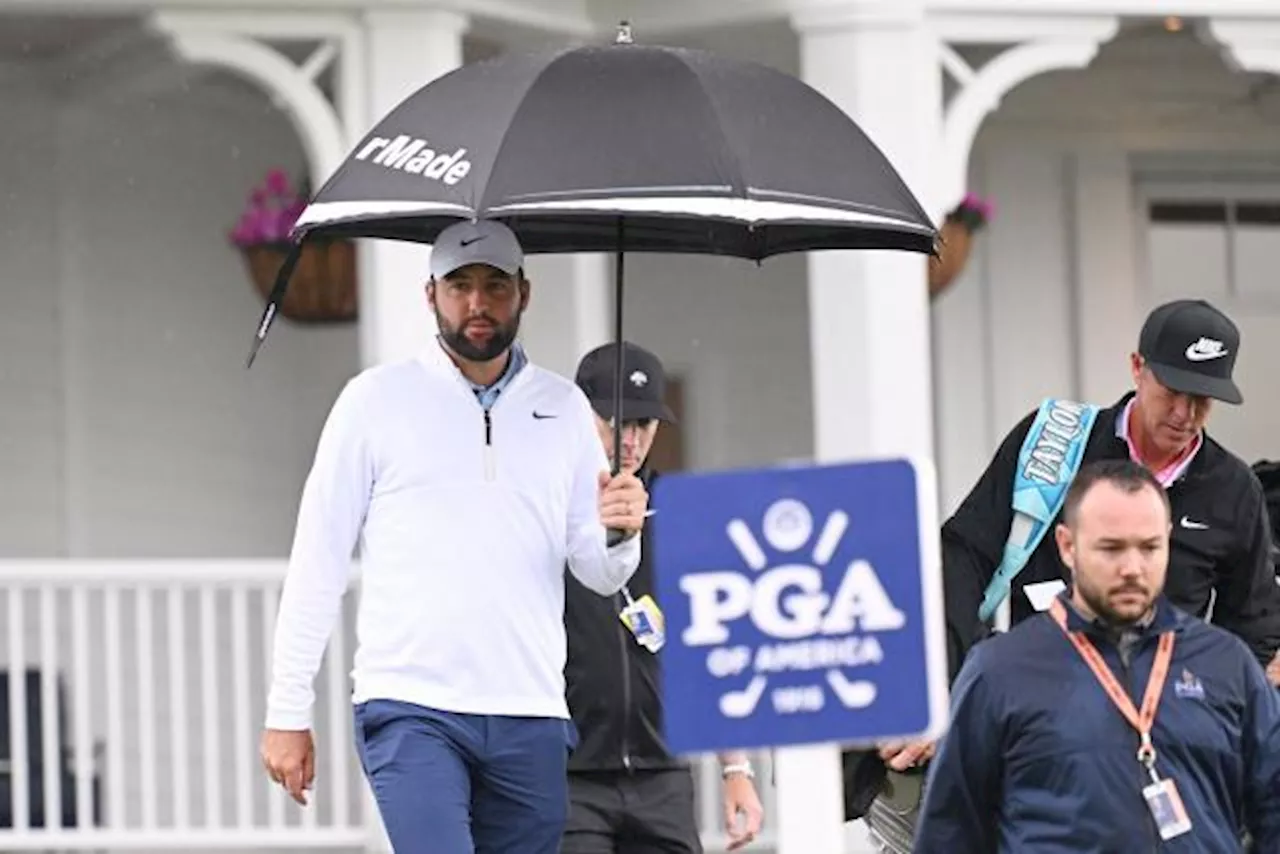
column 803, row 605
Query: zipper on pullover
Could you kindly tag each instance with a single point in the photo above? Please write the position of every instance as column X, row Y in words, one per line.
column 490, row 464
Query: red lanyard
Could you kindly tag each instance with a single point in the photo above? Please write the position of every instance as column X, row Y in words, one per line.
column 1143, row 720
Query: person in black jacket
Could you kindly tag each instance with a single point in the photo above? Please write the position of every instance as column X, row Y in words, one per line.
column 1221, row 542
column 627, row 793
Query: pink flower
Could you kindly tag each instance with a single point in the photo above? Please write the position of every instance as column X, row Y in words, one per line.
column 277, row 182
column 271, row 212
column 984, row 208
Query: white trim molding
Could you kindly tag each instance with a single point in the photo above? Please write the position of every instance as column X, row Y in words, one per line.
column 200, row 40
column 1246, row 44
column 596, row 19
column 986, row 87
column 987, row 28
column 567, row 17
column 1136, row 8
column 861, row 14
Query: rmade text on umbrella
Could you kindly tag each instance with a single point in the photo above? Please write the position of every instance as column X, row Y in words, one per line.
column 413, row 155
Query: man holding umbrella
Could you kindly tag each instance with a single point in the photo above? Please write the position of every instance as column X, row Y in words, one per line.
column 470, row 478
column 628, row 794
column 568, row 148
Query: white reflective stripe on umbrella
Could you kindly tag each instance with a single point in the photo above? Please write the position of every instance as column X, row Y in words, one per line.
column 324, row 213
column 735, row 209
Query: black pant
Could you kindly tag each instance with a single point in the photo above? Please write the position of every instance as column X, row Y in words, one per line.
column 644, row 812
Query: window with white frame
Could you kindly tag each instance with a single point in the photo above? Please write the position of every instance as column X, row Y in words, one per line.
column 1222, row 245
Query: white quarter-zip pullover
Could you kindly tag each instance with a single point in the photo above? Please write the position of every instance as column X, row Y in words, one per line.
column 465, row 521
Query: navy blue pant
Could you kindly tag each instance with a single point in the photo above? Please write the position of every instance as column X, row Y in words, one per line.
column 449, row 783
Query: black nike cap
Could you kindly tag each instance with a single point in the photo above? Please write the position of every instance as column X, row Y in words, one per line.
column 1191, row 348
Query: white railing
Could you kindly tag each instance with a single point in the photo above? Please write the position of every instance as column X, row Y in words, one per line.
column 145, row 683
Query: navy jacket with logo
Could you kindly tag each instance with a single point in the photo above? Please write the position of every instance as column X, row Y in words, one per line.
column 1038, row 760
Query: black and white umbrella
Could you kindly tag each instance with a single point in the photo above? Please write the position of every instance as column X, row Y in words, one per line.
column 619, row 148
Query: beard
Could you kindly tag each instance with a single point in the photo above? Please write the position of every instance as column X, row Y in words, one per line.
column 1128, row 612
column 455, row 338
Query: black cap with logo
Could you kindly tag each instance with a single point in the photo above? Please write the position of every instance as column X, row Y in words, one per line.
column 1191, row 348
column 644, row 383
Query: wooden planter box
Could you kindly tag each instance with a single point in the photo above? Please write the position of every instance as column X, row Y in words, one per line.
column 323, row 287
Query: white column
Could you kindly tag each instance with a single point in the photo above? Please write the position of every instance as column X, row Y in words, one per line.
column 404, row 50
column 869, row 332
column 869, row 312
column 400, row 52
column 593, row 303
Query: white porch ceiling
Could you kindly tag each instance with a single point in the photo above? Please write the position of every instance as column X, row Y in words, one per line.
column 82, row 55
column 1146, row 69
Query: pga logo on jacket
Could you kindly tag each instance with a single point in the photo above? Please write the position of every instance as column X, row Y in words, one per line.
column 796, row 604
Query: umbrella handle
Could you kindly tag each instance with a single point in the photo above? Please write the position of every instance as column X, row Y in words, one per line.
column 276, row 298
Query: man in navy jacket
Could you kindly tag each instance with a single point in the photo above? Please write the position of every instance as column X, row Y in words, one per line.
column 1115, row 723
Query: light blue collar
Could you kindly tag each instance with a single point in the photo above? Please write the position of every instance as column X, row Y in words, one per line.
column 487, row 395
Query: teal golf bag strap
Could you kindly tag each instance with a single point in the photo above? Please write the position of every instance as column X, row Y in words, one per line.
column 1049, row 459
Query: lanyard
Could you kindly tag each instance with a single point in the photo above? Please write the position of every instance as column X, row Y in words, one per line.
column 1143, row 720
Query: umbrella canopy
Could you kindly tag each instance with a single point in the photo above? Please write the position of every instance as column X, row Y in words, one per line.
column 618, row 148
column 698, row 152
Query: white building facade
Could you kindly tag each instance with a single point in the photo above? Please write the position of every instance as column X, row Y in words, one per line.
column 152, row 481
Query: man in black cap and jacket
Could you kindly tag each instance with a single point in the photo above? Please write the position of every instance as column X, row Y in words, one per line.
column 1221, row 540
column 627, row 793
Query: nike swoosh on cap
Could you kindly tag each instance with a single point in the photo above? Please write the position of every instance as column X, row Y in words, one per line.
column 1204, row 350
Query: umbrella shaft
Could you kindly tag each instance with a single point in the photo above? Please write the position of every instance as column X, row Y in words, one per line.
column 617, row 357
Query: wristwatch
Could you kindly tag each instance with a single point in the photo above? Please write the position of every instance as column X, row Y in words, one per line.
column 743, row 768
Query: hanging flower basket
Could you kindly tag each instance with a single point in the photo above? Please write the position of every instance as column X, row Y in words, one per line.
column 957, row 241
column 323, row 287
